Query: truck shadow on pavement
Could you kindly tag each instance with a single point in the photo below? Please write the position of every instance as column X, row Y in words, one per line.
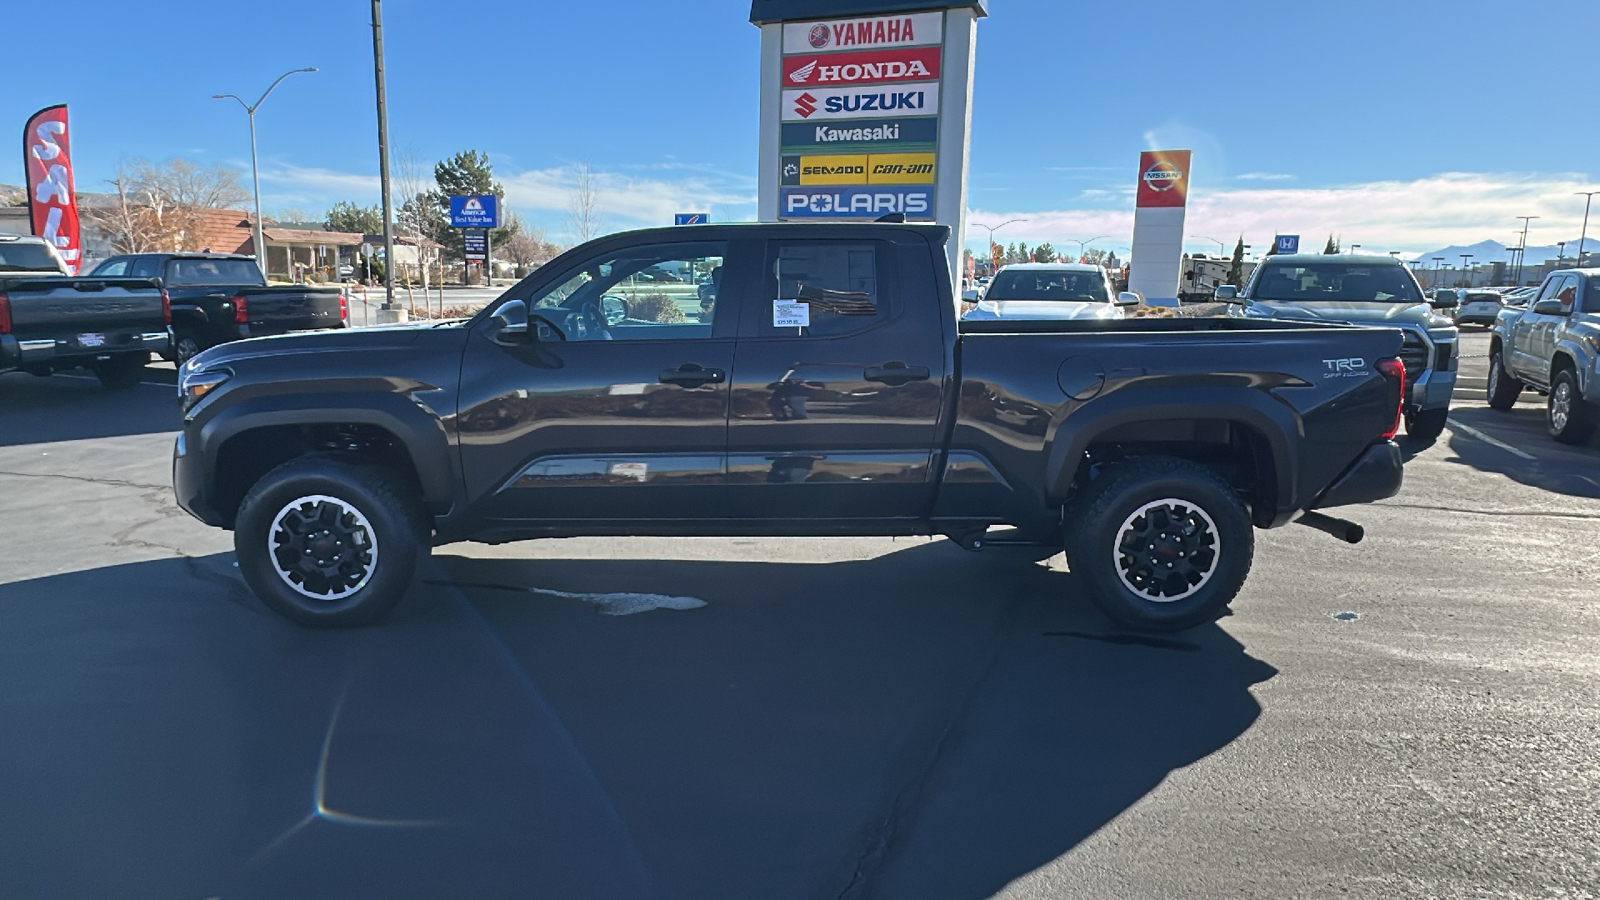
column 75, row 407
column 926, row 723
column 1558, row 468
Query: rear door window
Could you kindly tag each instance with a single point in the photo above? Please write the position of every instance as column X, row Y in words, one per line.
column 145, row 267
column 112, row 268
column 824, row 288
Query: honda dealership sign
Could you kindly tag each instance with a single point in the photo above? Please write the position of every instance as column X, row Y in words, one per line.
column 866, row 116
column 1157, row 253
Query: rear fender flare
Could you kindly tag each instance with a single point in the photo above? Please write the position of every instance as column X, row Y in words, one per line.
column 1267, row 416
column 419, row 432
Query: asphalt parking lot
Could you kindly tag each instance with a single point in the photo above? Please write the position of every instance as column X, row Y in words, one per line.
column 1416, row 716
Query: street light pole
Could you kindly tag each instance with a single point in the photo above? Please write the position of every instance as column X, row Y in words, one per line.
column 383, row 155
column 1464, row 258
column 255, row 169
column 1583, row 239
column 1437, row 260
column 1522, row 249
column 991, row 229
column 1083, row 246
column 1222, row 249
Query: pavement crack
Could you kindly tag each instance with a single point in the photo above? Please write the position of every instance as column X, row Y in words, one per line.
column 1524, row 513
column 110, row 482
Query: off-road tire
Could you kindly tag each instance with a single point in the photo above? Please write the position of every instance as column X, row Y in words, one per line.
column 185, row 346
column 1566, row 406
column 1504, row 388
column 120, row 372
column 377, row 527
column 1103, row 525
column 1425, row 425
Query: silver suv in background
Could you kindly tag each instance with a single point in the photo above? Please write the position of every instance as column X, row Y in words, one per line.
column 1478, row 307
column 1553, row 346
column 1364, row 290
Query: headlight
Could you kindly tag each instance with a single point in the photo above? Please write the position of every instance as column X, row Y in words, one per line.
column 194, row 386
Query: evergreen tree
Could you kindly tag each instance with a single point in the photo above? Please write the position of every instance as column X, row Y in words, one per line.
column 1236, row 267
column 1332, row 249
column 1044, row 253
column 463, row 175
column 354, row 218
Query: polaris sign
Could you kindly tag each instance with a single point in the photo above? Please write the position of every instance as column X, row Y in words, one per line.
column 856, row 202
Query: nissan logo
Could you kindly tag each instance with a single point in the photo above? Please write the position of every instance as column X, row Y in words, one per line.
column 1163, row 176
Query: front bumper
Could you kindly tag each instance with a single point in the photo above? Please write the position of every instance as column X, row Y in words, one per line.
column 1376, row 475
column 189, row 483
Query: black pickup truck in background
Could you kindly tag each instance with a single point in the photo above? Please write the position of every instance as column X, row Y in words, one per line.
column 50, row 321
column 832, row 392
column 220, row 297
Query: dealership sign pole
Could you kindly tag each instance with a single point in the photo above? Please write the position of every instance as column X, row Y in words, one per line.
column 47, row 169
column 866, row 110
column 1157, row 252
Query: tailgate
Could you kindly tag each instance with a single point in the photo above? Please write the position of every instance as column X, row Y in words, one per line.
column 85, row 313
column 275, row 310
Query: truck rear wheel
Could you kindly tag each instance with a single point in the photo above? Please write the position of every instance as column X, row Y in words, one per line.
column 1163, row 544
column 1504, row 388
column 329, row 544
column 1425, row 425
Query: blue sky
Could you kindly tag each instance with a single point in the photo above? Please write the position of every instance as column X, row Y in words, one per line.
column 1404, row 125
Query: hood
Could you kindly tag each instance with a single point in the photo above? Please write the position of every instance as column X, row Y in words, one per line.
column 1397, row 314
column 339, row 340
column 1045, row 310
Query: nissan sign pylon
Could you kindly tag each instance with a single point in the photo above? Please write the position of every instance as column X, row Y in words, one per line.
column 866, row 110
column 1157, row 253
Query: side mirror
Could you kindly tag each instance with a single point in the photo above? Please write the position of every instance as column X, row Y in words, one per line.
column 1551, row 307
column 1128, row 298
column 969, row 296
column 511, row 321
column 616, row 310
column 1227, row 293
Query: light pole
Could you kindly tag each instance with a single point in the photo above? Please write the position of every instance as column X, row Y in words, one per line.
column 255, row 172
column 1222, row 249
column 992, row 229
column 1522, row 249
column 1354, row 248
column 1083, row 246
column 1464, row 258
column 1436, row 266
column 1583, row 239
column 1561, row 252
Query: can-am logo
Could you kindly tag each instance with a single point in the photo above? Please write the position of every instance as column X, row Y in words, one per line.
column 1163, row 176
column 805, row 105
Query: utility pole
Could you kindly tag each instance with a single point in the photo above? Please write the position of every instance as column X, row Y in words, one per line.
column 383, row 155
column 1522, row 249
column 1583, row 239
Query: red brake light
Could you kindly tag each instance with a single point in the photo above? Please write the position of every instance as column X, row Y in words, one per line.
column 1394, row 368
column 241, row 310
column 344, row 308
column 166, row 306
column 5, row 314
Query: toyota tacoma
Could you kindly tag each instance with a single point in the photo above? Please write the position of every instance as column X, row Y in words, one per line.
column 833, row 392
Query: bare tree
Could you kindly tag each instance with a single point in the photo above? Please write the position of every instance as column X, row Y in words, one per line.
column 188, row 185
column 157, row 203
column 528, row 248
column 583, row 209
column 410, row 182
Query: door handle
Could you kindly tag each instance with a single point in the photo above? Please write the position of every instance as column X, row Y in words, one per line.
column 895, row 374
column 691, row 375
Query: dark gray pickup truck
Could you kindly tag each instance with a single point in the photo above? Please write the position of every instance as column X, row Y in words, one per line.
column 828, row 391
column 220, row 297
column 50, row 322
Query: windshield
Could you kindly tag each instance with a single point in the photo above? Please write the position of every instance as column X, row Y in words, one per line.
column 1081, row 287
column 215, row 271
column 1336, row 283
column 27, row 256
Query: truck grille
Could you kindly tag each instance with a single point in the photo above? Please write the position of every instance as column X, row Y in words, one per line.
column 1414, row 353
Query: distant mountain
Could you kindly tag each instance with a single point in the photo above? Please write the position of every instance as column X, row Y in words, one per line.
column 1494, row 251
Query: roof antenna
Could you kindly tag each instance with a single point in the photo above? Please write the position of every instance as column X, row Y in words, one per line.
column 894, row 218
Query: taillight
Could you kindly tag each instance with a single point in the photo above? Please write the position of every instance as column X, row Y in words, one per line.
column 166, row 306
column 1395, row 369
column 5, row 314
column 344, row 308
column 241, row 310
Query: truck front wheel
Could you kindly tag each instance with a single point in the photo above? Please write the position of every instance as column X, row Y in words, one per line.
column 1567, row 413
column 1425, row 425
column 1162, row 544
column 329, row 544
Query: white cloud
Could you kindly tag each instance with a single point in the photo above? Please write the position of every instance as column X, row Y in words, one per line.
column 1453, row 207
column 1264, row 176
